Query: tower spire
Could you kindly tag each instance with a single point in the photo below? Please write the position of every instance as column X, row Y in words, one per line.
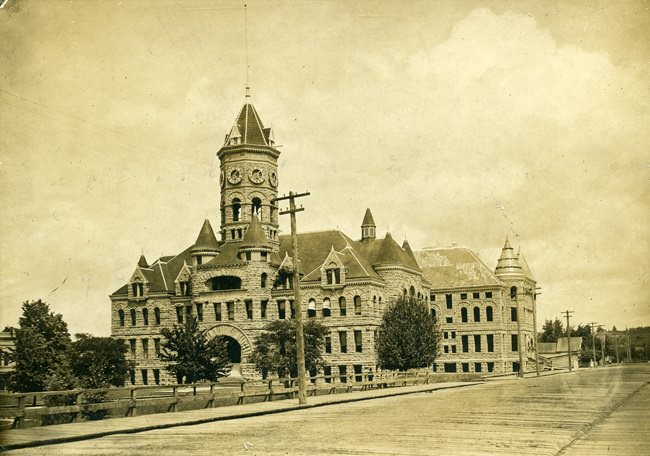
column 248, row 88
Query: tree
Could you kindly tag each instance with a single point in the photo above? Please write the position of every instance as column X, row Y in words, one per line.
column 42, row 342
column 99, row 362
column 408, row 336
column 192, row 355
column 276, row 351
column 552, row 331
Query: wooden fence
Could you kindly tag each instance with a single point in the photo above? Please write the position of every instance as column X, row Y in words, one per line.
column 22, row 406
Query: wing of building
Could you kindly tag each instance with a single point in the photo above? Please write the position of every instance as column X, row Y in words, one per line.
column 236, row 284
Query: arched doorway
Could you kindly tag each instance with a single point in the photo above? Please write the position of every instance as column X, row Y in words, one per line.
column 234, row 349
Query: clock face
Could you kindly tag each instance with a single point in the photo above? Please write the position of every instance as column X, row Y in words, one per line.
column 273, row 178
column 234, row 176
column 256, row 176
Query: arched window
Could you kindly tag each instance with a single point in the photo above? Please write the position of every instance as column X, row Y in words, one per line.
column 327, row 311
column 263, row 280
column 343, row 306
column 488, row 313
column 412, row 290
column 311, row 308
column 513, row 292
column 256, row 207
column 236, row 209
column 433, row 314
column 477, row 314
column 132, row 317
column 405, row 292
column 120, row 313
column 357, row 305
column 145, row 316
column 463, row 314
column 225, row 283
column 156, row 313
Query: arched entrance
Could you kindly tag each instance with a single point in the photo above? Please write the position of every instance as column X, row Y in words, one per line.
column 234, row 349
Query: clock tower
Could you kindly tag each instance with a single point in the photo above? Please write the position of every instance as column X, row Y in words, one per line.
column 249, row 177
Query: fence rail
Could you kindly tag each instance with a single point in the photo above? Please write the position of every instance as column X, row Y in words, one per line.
column 22, row 406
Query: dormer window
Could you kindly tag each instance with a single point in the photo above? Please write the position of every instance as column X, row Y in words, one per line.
column 137, row 288
column 186, row 288
column 333, row 276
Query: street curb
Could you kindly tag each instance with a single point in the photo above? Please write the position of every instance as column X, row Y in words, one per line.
column 343, row 400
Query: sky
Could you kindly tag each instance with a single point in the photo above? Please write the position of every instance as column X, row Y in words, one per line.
column 454, row 121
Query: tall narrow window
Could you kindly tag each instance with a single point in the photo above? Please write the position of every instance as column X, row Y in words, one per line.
column 357, row 305
column 327, row 373
column 358, row 369
column 433, row 314
column 311, row 308
column 231, row 310
column 282, row 310
column 185, row 288
column 217, row 311
column 358, row 341
column 156, row 347
column 120, row 314
column 463, row 314
column 513, row 292
column 263, row 280
column 330, row 277
column 156, row 314
column 263, row 306
column 249, row 309
column 132, row 347
column 199, row 311
column 256, row 207
column 477, row 314
column 490, row 342
column 513, row 314
column 449, row 301
column 477, row 343
column 343, row 371
column 328, row 344
column 465, row 342
column 236, row 209
column 477, row 367
column 156, row 376
column 145, row 380
column 337, row 276
column 342, row 306
column 514, row 343
column 133, row 317
column 179, row 314
column 488, row 313
column 343, row 341
column 145, row 316
column 327, row 307
column 145, row 348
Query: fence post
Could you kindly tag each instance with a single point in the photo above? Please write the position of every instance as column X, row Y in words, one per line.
column 175, row 395
column 20, row 414
column 78, row 400
column 270, row 390
column 242, row 393
column 132, row 403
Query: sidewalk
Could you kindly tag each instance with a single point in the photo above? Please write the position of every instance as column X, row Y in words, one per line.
column 48, row 435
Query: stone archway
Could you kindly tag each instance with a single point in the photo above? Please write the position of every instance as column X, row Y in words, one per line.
column 233, row 332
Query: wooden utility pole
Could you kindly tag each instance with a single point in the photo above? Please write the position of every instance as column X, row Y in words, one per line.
column 300, row 337
column 536, row 292
column 519, row 347
column 567, row 313
column 603, row 348
column 616, row 345
column 593, row 339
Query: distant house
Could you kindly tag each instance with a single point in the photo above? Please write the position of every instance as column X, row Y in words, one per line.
column 554, row 355
column 7, row 347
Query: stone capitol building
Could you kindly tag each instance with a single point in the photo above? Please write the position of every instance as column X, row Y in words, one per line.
column 238, row 283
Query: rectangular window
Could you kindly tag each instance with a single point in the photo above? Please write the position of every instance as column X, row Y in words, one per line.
column 217, row 311
column 145, row 317
column 465, row 367
column 343, row 377
column 329, row 276
column 263, row 305
column 179, row 314
column 132, row 376
column 343, row 341
column 199, row 311
column 477, row 367
column 476, row 295
column 513, row 314
column 358, row 375
column 231, row 310
column 156, row 313
column 477, row 343
column 453, row 334
column 328, row 344
column 145, row 380
column 357, row 305
column 156, row 347
column 446, row 348
column 449, row 320
column 358, row 341
column 282, row 311
column 432, row 297
column 249, row 309
column 156, row 376
column 490, row 342
column 453, row 349
column 449, row 300
column 465, row 342
column 490, row 367
column 145, row 348
column 488, row 294
column 450, row 367
column 343, row 306
column 327, row 373
column 337, row 276
column 514, row 342
column 445, row 335
column 463, row 296
column 188, row 309
column 132, row 347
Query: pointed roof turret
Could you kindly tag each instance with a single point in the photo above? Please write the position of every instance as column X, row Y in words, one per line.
column 524, row 264
column 255, row 236
column 248, row 129
column 206, row 241
column 391, row 253
column 407, row 248
column 368, row 227
column 142, row 262
column 368, row 220
column 508, row 264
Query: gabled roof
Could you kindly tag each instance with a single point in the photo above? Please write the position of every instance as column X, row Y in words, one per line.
column 206, row 241
column 368, row 220
column 249, row 128
column 255, row 236
column 561, row 346
column 508, row 264
column 452, row 267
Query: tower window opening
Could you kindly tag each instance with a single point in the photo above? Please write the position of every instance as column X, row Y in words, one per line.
column 256, row 207
column 513, row 292
column 236, row 209
column 263, row 279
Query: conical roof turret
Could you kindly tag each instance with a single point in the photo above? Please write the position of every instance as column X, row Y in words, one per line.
column 508, row 264
column 206, row 241
column 524, row 265
column 249, row 129
column 368, row 220
column 142, row 262
column 255, row 237
column 368, row 227
column 407, row 248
